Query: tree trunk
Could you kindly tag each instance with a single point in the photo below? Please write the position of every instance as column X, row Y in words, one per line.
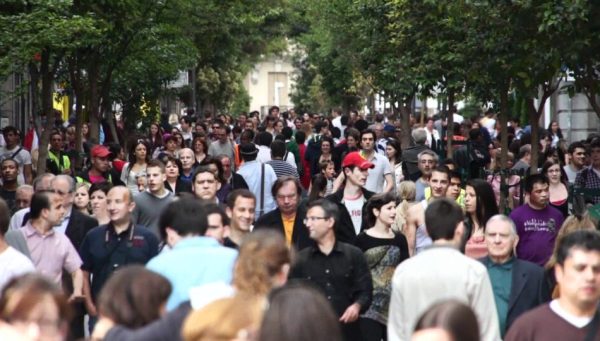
column 503, row 117
column 47, row 83
column 405, row 122
column 450, row 124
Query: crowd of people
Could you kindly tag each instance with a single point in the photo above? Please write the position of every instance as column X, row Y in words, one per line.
column 301, row 227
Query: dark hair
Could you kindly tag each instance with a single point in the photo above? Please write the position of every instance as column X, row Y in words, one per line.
column 587, row 240
column 39, row 201
column 300, row 137
column 132, row 149
column 12, row 160
column 329, row 209
column 132, row 296
column 186, row 119
column 10, row 129
column 533, row 179
column 442, row 216
column 282, row 180
column 486, row 206
column 242, row 192
column 327, row 139
column 212, row 208
column 563, row 176
column 368, row 131
column 318, row 185
column 4, row 217
column 474, row 134
column 103, row 186
column 395, row 143
column 156, row 163
column 204, row 144
column 377, row 202
column 204, row 169
column 352, row 132
column 264, row 139
column 209, row 160
column 558, row 131
column 442, row 169
column 287, row 132
column 279, row 137
column 316, row 321
column 455, row 317
column 278, row 149
column 175, row 161
column 576, row 145
column 186, row 216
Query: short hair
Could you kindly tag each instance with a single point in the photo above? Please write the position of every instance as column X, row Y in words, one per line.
column 103, row 186
column 39, row 179
column 278, row 149
column 239, row 193
column 524, row 150
column 430, row 153
column 10, row 129
column 287, row 132
column 264, row 138
column 443, row 170
column 282, row 180
column 377, row 202
column 330, row 210
column 533, row 179
column 204, row 169
column 186, row 119
column 474, row 134
column 504, row 219
column 300, row 137
column 419, row 135
column 575, row 145
column 12, row 160
column 185, row 216
column 156, row 163
column 212, row 208
column 39, row 201
column 352, row 132
column 69, row 180
column 4, row 217
column 368, row 131
column 453, row 316
column 587, row 240
column 442, row 216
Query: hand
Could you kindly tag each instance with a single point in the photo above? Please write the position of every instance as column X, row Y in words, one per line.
column 102, row 327
column 351, row 313
column 91, row 308
column 76, row 297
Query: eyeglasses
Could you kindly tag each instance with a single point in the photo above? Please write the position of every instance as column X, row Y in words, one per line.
column 307, row 219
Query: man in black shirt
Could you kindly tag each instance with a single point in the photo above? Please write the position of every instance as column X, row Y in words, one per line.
column 9, row 170
column 340, row 270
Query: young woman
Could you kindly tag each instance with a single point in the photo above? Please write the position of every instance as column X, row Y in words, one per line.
column 393, row 151
column 98, row 192
column 328, row 170
column 138, row 159
column 200, row 148
column 82, row 198
column 326, row 155
column 480, row 206
column 318, row 188
column 384, row 249
column 558, row 190
column 407, row 193
column 155, row 138
column 554, row 133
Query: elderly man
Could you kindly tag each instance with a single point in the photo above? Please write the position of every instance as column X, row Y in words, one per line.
column 518, row 285
column 410, row 155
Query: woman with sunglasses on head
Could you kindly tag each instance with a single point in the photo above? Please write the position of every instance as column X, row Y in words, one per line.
column 384, row 249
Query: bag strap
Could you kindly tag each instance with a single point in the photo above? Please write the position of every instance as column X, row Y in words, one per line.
column 16, row 153
column 593, row 327
column 262, row 188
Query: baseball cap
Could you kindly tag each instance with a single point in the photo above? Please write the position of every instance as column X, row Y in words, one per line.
column 100, row 151
column 355, row 159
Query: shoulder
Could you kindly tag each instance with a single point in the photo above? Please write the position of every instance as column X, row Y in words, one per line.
column 532, row 319
column 528, row 267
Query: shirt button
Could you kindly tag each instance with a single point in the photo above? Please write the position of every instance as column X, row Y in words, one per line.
column 326, row 271
column 328, row 284
column 329, row 298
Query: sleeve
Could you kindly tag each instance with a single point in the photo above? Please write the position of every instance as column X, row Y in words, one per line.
column 485, row 307
column 153, row 245
column 124, row 173
column 387, row 167
column 25, row 156
column 72, row 261
column 86, row 254
column 363, row 284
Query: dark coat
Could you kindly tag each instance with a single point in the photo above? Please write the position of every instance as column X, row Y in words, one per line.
column 272, row 220
column 410, row 161
column 529, row 288
column 344, row 229
column 79, row 225
column 181, row 186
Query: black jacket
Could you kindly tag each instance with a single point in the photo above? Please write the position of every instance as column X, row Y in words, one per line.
column 181, row 186
column 529, row 288
column 272, row 220
column 344, row 229
column 410, row 161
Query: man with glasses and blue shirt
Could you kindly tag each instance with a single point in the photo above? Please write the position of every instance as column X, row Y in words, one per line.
column 340, row 270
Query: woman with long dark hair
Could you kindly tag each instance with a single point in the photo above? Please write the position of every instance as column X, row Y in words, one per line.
column 384, row 249
column 393, row 151
column 558, row 189
column 155, row 136
column 139, row 156
column 480, row 206
column 554, row 133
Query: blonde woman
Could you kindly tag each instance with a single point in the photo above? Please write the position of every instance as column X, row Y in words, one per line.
column 407, row 192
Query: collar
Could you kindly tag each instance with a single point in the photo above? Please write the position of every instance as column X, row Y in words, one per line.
column 110, row 230
column 506, row 265
column 337, row 247
column 196, row 241
column 29, row 230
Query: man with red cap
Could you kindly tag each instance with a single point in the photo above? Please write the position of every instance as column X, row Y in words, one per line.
column 99, row 168
column 351, row 197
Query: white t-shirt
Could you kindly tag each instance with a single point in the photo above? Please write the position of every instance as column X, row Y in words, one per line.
column 14, row 264
column 354, row 207
column 377, row 175
column 22, row 157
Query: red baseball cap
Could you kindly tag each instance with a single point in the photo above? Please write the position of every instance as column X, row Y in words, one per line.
column 355, row 159
column 100, row 151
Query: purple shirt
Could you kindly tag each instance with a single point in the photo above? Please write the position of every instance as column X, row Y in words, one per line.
column 537, row 230
column 50, row 253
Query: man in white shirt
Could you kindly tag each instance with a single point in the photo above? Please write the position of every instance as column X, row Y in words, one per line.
column 14, row 263
column 260, row 178
column 14, row 150
column 441, row 272
column 382, row 169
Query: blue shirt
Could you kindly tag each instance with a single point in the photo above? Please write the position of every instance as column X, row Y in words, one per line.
column 193, row 261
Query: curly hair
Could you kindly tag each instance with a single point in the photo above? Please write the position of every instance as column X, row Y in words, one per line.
column 262, row 255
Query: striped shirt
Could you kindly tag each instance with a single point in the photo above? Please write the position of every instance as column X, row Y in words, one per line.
column 283, row 168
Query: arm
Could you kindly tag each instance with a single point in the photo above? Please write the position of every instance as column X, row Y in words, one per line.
column 337, row 183
column 77, row 278
column 87, row 293
column 389, row 181
column 410, row 231
column 27, row 174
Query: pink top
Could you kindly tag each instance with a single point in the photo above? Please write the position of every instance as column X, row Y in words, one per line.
column 51, row 253
column 476, row 247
